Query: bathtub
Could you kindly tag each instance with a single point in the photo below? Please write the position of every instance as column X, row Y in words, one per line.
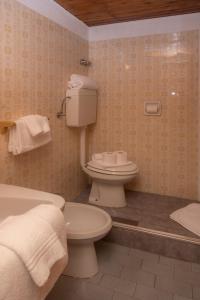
column 15, row 200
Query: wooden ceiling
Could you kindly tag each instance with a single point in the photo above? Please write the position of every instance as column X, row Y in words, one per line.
column 100, row 12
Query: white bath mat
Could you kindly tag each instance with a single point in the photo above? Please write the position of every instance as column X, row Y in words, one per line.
column 188, row 217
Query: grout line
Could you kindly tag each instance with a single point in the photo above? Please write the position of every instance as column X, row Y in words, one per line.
column 173, row 270
column 155, row 280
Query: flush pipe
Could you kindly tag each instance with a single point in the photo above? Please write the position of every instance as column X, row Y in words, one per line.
column 83, row 147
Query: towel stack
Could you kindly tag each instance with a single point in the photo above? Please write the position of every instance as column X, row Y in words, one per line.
column 33, row 253
column 30, row 132
column 81, row 82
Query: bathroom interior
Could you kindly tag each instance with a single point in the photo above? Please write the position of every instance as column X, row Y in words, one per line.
column 114, row 85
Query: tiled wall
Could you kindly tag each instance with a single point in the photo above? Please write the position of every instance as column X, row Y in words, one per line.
column 161, row 68
column 37, row 57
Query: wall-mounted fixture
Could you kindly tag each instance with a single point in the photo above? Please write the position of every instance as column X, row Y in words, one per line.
column 152, row 108
column 62, row 111
column 85, row 62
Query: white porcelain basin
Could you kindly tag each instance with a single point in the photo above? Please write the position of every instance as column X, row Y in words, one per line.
column 85, row 225
column 86, row 221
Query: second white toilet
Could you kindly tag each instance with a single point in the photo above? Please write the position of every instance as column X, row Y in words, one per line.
column 109, row 172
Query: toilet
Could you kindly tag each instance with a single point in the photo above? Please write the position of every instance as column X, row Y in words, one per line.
column 109, row 173
column 86, row 224
column 109, row 170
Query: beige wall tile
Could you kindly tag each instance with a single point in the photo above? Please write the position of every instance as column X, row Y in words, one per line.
column 130, row 71
column 37, row 57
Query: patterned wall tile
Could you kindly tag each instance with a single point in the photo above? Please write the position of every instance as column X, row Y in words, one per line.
column 162, row 68
column 37, row 56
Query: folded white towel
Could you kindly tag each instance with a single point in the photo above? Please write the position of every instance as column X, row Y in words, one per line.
column 21, row 140
column 80, row 81
column 36, row 124
column 188, row 217
column 33, row 238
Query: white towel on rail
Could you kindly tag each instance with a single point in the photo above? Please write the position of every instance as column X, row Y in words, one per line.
column 188, row 217
column 80, row 81
column 21, row 140
column 36, row 124
column 33, row 238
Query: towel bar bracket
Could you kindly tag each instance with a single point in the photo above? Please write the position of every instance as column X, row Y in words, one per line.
column 4, row 125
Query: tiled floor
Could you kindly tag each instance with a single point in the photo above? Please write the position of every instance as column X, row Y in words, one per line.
column 150, row 210
column 131, row 274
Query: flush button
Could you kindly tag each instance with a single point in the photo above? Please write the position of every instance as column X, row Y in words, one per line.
column 152, row 108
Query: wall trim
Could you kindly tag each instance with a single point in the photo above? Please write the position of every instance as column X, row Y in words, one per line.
column 145, row 27
column 58, row 14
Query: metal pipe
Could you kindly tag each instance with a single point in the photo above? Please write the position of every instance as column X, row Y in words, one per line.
column 83, row 147
column 61, row 113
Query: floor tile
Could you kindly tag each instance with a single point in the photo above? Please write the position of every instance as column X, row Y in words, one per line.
column 138, row 276
column 192, row 278
column 63, row 296
column 118, row 285
column 120, row 296
column 65, row 287
column 158, row 269
column 110, row 268
column 174, row 286
column 177, row 297
column 145, row 256
column 185, row 266
column 196, row 292
column 122, row 279
column 91, row 292
column 195, row 267
column 107, row 252
column 147, row 293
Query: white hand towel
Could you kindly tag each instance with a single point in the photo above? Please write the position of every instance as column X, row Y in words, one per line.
column 80, row 81
column 32, row 238
column 20, row 139
column 45, row 125
column 188, row 217
column 36, row 124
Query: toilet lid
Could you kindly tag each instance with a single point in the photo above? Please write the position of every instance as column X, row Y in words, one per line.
column 129, row 168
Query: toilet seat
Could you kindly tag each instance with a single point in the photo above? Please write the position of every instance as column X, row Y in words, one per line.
column 126, row 169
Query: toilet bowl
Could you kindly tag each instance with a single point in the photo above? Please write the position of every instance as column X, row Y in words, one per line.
column 85, row 225
column 108, row 182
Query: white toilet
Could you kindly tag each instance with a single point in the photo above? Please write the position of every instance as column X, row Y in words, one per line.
column 109, row 170
column 85, row 225
column 109, row 173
